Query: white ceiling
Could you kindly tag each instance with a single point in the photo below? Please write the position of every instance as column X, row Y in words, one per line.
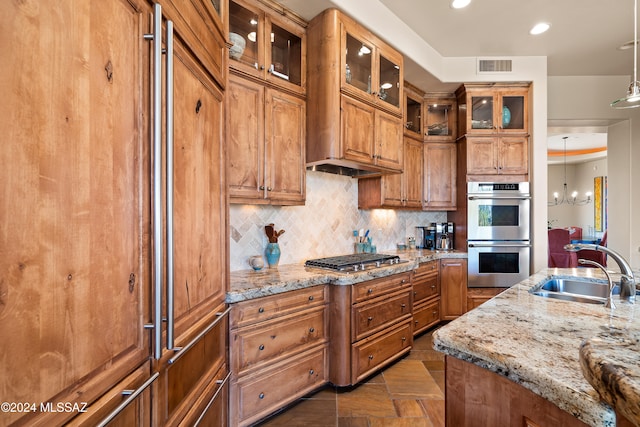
column 583, row 39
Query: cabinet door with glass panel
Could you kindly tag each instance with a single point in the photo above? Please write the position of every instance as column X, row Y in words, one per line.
column 371, row 71
column 440, row 118
column 492, row 111
column 267, row 46
column 413, row 114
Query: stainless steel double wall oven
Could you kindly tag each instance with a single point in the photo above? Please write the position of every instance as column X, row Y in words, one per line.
column 498, row 233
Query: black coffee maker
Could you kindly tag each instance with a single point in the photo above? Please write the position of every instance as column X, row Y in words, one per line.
column 426, row 238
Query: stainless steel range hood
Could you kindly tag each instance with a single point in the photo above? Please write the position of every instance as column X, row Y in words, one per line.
column 347, row 168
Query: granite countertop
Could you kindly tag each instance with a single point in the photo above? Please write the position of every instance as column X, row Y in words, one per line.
column 610, row 363
column 249, row 284
column 535, row 342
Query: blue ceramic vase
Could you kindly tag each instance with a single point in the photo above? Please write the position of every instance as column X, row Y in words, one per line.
column 506, row 116
column 272, row 252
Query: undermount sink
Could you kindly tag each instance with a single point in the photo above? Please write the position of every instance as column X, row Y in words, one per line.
column 574, row 289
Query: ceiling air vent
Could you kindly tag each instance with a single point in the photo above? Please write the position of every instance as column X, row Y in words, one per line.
column 494, row 66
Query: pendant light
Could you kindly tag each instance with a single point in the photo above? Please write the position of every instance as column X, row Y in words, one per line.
column 632, row 100
column 568, row 200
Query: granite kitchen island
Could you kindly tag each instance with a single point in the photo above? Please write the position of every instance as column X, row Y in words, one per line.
column 535, row 343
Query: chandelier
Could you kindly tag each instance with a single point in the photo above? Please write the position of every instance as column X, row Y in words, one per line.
column 573, row 198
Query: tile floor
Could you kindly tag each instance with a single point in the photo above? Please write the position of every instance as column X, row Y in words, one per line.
column 409, row 393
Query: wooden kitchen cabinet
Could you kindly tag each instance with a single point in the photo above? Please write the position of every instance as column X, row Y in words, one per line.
column 266, row 144
column 279, row 351
column 497, row 155
column 355, row 97
column 440, row 176
column 493, row 108
column 440, row 118
column 74, row 270
column 402, row 190
column 413, row 111
column 371, row 136
column 478, row 296
column 275, row 44
column 78, row 270
column 495, row 125
column 188, row 372
column 426, row 296
column 370, row 70
column 453, row 287
column 504, row 403
column 373, row 329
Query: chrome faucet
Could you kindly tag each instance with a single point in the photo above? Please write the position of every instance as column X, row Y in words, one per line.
column 627, row 281
column 609, row 303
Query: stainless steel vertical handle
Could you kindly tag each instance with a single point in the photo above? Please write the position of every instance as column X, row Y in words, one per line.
column 169, row 178
column 156, row 95
column 156, row 125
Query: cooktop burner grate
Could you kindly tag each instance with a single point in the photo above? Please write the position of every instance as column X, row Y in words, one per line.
column 353, row 262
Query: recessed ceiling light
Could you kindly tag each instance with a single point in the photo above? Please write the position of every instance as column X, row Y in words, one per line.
column 539, row 28
column 459, row 4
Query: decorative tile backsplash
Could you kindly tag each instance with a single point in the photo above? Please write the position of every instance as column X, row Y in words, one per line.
column 323, row 226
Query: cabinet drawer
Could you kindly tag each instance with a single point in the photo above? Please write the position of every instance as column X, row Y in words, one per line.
column 373, row 353
column 248, row 312
column 211, row 407
column 425, row 316
column 184, row 380
column 374, row 288
column 425, row 269
column 270, row 341
column 370, row 318
column 425, row 287
column 258, row 396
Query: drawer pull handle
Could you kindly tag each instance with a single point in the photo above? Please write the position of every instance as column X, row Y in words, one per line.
column 180, row 351
column 433, row 286
column 416, row 322
column 261, row 347
column 261, row 395
column 311, row 298
column 404, row 339
column 403, row 281
column 403, row 306
column 415, row 293
column 261, row 310
column 311, row 372
column 371, row 357
column 435, row 312
column 312, row 330
column 370, row 318
column 131, row 396
column 370, row 291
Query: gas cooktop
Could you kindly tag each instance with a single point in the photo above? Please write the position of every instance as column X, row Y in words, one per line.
column 353, row 262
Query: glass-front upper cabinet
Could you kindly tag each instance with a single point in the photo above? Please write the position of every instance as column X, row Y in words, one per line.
column 413, row 111
column 245, row 31
column 441, row 118
column 359, row 63
column 286, row 55
column 266, row 46
column 372, row 71
column 389, row 82
column 498, row 111
column 413, row 114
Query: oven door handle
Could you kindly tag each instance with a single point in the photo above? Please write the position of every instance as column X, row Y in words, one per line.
column 499, row 197
column 499, row 245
